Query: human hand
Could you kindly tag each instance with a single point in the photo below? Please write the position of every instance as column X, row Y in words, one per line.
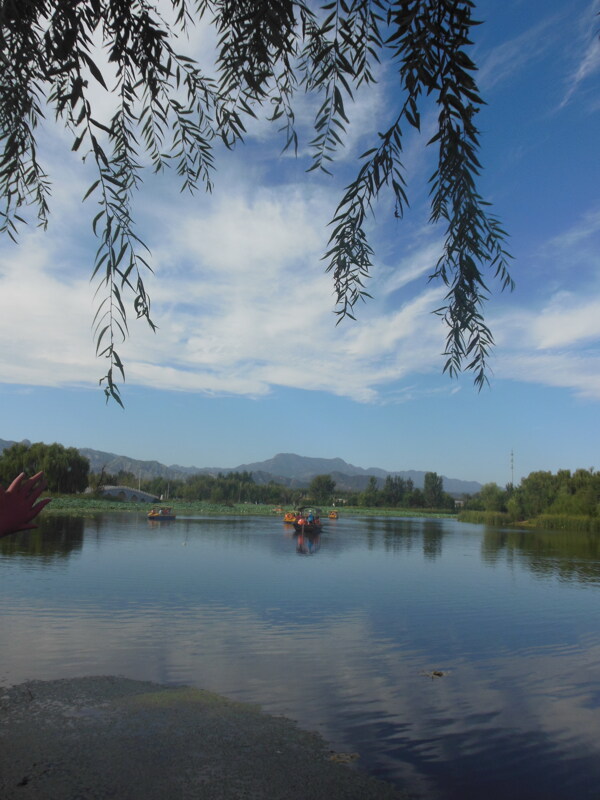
column 18, row 503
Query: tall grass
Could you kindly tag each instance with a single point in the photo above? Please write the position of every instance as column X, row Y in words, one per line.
column 568, row 522
column 556, row 522
column 497, row 519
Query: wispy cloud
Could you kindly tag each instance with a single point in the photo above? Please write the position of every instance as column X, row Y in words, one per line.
column 578, row 372
column 578, row 234
column 589, row 48
column 505, row 60
column 572, row 256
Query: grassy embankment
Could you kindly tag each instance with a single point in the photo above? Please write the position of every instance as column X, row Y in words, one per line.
column 82, row 504
column 555, row 522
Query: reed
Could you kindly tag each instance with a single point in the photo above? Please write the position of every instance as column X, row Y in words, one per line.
column 497, row 519
column 567, row 522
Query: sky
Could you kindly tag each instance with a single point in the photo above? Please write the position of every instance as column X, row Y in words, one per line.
column 248, row 361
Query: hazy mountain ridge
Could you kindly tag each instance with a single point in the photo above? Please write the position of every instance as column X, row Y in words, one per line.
column 300, row 470
column 288, row 469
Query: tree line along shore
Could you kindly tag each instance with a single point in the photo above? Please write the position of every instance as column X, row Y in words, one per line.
column 565, row 500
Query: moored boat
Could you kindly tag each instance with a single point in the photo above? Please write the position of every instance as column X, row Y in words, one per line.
column 290, row 516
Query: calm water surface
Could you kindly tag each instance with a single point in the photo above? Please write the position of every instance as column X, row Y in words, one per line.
column 338, row 633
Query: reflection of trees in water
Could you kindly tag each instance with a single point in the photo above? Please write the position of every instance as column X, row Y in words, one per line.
column 56, row 538
column 432, row 539
column 569, row 555
column 403, row 535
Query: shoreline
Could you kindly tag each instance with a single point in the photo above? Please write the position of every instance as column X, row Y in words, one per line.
column 107, row 736
column 74, row 504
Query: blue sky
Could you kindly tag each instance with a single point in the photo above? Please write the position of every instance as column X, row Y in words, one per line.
column 248, row 361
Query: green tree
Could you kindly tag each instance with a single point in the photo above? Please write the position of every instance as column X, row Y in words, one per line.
column 393, row 491
column 416, row 499
column 433, row 490
column 448, row 501
column 537, row 492
column 542, row 492
column 371, row 496
column 16, row 459
column 578, row 494
column 125, row 477
column 321, row 488
column 163, row 487
column 492, row 497
column 65, row 469
column 167, row 110
column 352, row 499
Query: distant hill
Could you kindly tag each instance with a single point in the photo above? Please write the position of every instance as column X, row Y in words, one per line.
column 4, row 444
column 295, row 470
column 288, row 469
column 113, row 463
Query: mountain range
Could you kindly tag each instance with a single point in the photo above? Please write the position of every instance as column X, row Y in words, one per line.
column 287, row 469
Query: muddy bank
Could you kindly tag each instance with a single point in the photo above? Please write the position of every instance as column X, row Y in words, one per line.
column 107, row 737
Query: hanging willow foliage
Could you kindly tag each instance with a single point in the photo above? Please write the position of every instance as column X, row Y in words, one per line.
column 170, row 111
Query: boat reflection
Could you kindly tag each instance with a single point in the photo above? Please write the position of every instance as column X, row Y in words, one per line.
column 307, row 544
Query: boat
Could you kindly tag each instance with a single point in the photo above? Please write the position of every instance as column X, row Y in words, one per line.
column 333, row 515
column 163, row 514
column 290, row 516
column 308, row 520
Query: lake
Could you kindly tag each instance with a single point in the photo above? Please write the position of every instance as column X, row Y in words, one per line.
column 342, row 633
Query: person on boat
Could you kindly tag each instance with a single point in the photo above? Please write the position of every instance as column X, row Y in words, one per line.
column 18, row 506
column 311, row 518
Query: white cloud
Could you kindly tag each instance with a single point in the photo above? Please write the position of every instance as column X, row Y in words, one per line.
column 44, row 321
column 241, row 300
column 567, row 320
column 578, row 372
column 556, row 344
column 243, row 305
column 554, row 340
